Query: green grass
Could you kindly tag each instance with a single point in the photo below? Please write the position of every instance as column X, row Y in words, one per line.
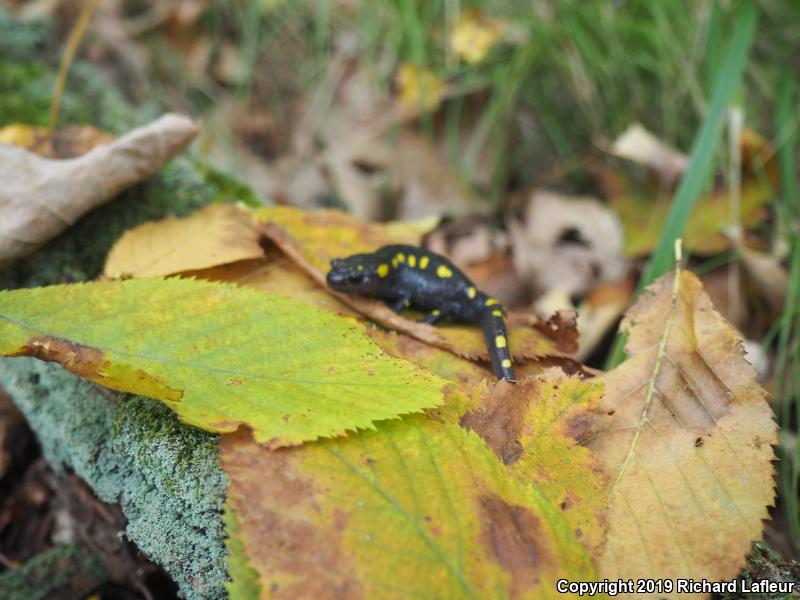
column 787, row 362
column 701, row 159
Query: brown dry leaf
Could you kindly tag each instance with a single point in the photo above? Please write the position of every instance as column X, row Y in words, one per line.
column 599, row 311
column 769, row 276
column 313, row 239
column 67, row 142
column 354, row 145
column 41, row 197
column 364, row 170
column 215, row 235
column 571, row 243
column 639, row 145
column 684, row 433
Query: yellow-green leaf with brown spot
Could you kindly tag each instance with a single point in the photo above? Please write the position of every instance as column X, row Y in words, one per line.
column 220, row 356
column 419, row 508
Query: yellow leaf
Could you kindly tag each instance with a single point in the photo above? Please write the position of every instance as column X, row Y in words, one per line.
column 218, row 355
column 67, row 142
column 21, row 135
column 443, row 363
column 685, row 436
column 474, row 35
column 644, row 219
column 215, row 235
column 419, row 507
column 419, row 86
column 277, row 275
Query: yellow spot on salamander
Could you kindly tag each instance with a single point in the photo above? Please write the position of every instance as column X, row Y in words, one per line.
column 394, row 263
column 412, row 260
column 360, row 268
column 423, row 262
column 383, row 270
column 506, row 363
column 500, row 341
column 497, row 313
column 443, row 272
column 436, row 312
column 492, row 302
column 401, row 257
column 471, row 291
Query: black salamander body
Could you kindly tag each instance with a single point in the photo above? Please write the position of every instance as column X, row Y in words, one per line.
column 411, row 277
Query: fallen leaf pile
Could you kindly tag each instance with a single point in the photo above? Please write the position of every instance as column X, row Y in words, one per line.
column 356, row 474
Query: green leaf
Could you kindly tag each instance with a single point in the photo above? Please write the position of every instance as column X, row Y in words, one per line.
column 218, row 355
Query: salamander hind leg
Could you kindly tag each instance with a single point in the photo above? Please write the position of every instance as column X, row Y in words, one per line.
column 432, row 317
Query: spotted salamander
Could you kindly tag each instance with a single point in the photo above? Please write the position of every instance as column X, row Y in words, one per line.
column 411, row 277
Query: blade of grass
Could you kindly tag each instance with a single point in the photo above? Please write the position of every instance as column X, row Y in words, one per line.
column 786, row 376
column 714, row 43
column 701, row 157
column 705, row 145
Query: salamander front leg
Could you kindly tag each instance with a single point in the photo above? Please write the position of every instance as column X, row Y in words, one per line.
column 431, row 318
column 398, row 304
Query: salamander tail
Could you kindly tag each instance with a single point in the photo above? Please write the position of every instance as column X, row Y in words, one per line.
column 493, row 325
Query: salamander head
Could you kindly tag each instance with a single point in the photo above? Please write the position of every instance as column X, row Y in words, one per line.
column 357, row 274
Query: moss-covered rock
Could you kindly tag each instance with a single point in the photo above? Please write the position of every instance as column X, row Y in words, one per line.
column 130, row 450
column 133, row 451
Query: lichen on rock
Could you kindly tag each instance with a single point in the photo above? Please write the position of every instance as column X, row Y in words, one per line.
column 133, row 451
